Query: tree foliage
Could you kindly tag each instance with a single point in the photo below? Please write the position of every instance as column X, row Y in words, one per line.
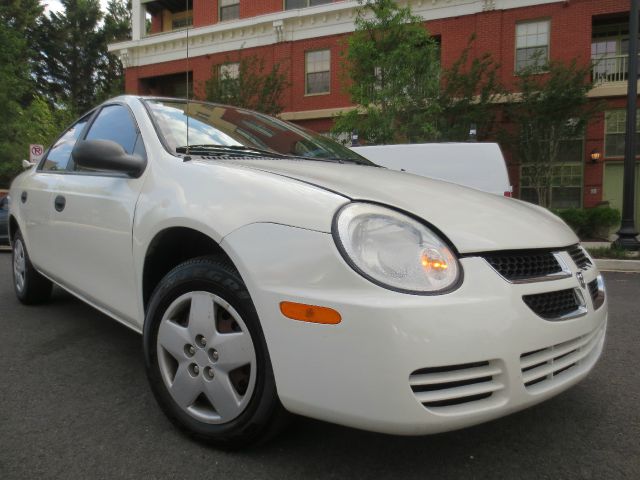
column 393, row 72
column 73, row 49
column 116, row 28
column 19, row 51
column 17, row 21
column 470, row 88
column 254, row 87
column 53, row 66
column 548, row 108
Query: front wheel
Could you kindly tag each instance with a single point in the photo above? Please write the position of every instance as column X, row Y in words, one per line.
column 206, row 357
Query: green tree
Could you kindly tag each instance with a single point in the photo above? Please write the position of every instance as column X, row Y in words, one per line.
column 18, row 20
column 73, row 48
column 470, row 89
column 252, row 86
column 38, row 123
column 547, row 109
column 393, row 71
column 11, row 89
column 115, row 28
column 22, row 19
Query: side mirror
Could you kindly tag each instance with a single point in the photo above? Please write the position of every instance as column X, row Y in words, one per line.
column 26, row 164
column 107, row 155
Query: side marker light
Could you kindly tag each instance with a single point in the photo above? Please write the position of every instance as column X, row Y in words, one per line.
column 310, row 313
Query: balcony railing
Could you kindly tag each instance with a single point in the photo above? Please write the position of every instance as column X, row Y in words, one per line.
column 610, row 68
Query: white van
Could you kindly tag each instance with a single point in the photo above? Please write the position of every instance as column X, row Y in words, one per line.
column 476, row 165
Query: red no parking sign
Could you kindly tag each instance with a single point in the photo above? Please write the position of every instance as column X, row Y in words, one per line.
column 35, row 152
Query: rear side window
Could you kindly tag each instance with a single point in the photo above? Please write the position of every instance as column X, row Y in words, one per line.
column 114, row 123
column 58, row 157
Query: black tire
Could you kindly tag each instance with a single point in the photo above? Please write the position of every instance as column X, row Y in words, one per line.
column 34, row 289
column 263, row 416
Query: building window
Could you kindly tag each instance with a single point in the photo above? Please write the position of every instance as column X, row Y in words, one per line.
column 532, row 44
column 614, row 132
column 317, row 72
column 229, row 10
column 610, row 52
column 566, row 179
column 229, row 71
column 293, row 4
column 182, row 20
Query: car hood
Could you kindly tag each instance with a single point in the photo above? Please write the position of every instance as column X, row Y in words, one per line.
column 474, row 221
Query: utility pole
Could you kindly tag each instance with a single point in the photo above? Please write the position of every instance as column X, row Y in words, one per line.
column 627, row 235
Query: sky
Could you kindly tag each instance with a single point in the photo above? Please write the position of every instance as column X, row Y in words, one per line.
column 56, row 7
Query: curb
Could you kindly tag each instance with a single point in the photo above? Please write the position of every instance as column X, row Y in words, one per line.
column 614, row 265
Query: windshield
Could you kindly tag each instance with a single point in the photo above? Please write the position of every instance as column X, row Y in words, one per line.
column 223, row 130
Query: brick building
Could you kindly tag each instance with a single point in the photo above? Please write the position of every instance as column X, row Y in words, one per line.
column 305, row 37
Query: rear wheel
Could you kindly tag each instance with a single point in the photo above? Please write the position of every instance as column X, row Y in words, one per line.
column 31, row 288
column 206, row 356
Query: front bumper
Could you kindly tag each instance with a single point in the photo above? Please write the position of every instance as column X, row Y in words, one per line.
column 359, row 372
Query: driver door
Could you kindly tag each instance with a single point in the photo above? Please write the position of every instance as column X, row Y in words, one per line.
column 92, row 222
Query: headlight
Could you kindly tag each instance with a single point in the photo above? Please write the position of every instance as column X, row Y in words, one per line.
column 394, row 250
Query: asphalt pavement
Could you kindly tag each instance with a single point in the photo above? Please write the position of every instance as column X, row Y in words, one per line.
column 74, row 403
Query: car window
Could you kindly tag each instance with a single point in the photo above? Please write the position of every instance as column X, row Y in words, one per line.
column 58, row 156
column 114, row 123
column 4, row 204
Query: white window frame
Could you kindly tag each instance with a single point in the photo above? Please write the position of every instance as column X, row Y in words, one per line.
column 225, row 4
column 533, row 37
column 623, row 121
column 307, row 72
column 307, row 4
column 229, row 71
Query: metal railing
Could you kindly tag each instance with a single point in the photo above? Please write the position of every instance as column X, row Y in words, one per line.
column 610, row 68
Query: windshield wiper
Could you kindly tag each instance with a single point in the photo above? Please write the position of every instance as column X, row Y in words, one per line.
column 227, row 149
column 241, row 150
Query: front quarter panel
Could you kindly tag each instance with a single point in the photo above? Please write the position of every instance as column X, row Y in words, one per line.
column 216, row 198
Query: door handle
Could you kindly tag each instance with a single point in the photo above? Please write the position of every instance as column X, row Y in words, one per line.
column 59, row 203
column 23, row 197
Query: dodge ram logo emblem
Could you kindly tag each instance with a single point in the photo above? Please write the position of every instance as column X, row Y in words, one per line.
column 580, row 278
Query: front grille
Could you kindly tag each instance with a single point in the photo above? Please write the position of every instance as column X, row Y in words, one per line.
column 554, row 305
column 540, row 367
column 593, row 289
column 519, row 266
column 524, row 265
column 451, row 385
column 597, row 294
column 579, row 257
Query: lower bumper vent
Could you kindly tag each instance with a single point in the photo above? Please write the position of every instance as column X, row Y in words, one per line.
column 543, row 366
column 446, row 386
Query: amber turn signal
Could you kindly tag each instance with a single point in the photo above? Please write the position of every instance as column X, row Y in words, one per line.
column 310, row 313
column 433, row 264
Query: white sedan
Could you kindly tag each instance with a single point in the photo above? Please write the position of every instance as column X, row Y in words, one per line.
column 271, row 270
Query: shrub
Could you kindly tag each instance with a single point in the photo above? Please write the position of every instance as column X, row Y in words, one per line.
column 600, row 220
column 576, row 218
column 591, row 222
column 610, row 252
